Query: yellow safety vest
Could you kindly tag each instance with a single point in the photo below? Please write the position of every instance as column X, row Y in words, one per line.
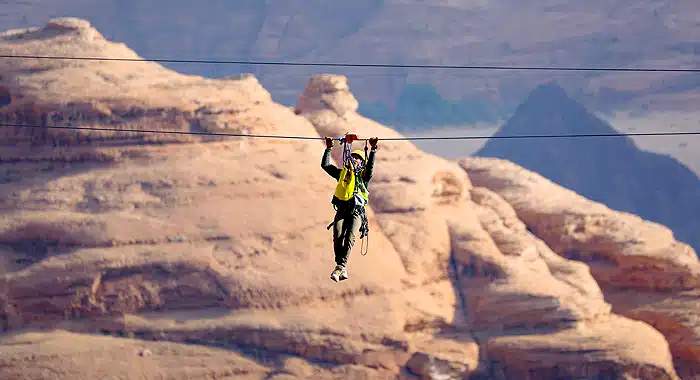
column 346, row 186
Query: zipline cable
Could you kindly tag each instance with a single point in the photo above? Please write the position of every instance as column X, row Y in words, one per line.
column 482, row 137
column 360, row 65
column 169, row 132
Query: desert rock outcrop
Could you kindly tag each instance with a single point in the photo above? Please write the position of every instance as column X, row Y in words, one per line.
column 494, row 260
column 216, row 248
column 644, row 273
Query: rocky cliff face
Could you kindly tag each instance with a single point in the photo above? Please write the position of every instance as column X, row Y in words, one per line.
column 217, row 249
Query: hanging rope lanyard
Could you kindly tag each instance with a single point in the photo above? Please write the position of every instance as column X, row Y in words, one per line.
column 350, row 163
column 364, row 252
column 365, row 222
column 347, row 150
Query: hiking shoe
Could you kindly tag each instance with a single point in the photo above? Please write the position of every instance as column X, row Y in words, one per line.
column 344, row 274
column 335, row 275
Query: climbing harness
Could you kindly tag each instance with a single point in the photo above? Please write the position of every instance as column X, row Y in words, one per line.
column 364, row 227
column 350, row 169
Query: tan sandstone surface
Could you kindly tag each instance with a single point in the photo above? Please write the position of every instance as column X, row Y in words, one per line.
column 644, row 273
column 208, row 257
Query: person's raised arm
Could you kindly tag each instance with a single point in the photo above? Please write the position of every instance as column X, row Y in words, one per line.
column 326, row 164
column 369, row 169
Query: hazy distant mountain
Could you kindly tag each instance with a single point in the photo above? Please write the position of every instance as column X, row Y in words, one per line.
column 420, row 106
column 648, row 33
column 611, row 170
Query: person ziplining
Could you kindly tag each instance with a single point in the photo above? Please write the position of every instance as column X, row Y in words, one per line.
column 350, row 198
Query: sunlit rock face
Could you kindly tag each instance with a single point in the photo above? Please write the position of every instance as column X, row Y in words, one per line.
column 216, row 248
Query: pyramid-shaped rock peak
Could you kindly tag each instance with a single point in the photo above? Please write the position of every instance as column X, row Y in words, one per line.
column 547, row 92
column 548, row 109
column 611, row 170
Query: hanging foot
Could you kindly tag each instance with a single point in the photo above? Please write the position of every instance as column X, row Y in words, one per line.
column 335, row 275
column 344, row 274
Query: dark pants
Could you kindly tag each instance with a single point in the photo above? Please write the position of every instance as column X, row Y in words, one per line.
column 346, row 229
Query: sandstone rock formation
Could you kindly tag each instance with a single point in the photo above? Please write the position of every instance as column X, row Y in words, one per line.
column 209, row 237
column 63, row 355
column 644, row 273
column 217, row 249
column 494, row 255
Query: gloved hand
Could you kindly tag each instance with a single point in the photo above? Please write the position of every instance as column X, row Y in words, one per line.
column 373, row 142
column 329, row 142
